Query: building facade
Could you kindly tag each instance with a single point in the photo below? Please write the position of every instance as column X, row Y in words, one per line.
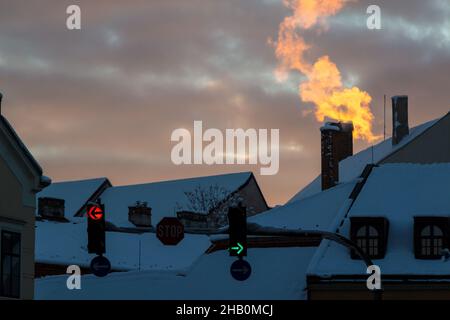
column 20, row 179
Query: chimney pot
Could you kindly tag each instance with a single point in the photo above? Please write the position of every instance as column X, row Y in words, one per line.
column 400, row 126
column 51, row 208
column 140, row 214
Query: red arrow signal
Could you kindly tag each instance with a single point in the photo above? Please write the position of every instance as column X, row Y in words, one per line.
column 95, row 213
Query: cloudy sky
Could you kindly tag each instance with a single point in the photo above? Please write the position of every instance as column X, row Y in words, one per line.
column 104, row 101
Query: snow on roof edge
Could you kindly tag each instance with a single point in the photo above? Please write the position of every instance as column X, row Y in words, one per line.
column 80, row 180
column 250, row 173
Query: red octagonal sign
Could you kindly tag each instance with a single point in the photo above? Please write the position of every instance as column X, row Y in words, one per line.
column 170, row 231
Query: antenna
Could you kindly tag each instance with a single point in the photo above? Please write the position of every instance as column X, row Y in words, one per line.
column 384, row 118
column 1, row 97
column 373, row 160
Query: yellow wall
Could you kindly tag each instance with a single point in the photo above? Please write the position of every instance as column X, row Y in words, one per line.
column 391, row 291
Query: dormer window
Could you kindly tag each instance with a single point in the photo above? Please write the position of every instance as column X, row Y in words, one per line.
column 430, row 237
column 370, row 234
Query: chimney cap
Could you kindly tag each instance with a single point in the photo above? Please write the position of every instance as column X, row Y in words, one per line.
column 395, row 98
column 330, row 126
column 337, row 126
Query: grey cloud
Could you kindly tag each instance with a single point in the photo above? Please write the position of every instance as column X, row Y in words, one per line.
column 103, row 101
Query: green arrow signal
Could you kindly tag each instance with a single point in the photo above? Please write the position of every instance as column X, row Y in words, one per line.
column 239, row 248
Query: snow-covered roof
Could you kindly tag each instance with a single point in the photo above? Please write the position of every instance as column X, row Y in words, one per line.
column 66, row 244
column 314, row 213
column 75, row 193
column 352, row 167
column 398, row 192
column 163, row 197
column 277, row 273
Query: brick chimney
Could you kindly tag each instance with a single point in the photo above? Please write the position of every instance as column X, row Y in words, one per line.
column 400, row 127
column 337, row 144
column 140, row 215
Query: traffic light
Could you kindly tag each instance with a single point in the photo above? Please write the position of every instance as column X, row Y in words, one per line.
column 96, row 228
column 237, row 221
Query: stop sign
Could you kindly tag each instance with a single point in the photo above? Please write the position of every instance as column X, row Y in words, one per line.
column 170, row 231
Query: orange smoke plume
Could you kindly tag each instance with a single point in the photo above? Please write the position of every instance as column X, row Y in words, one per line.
column 323, row 86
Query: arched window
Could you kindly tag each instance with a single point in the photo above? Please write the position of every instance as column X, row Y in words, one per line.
column 431, row 240
column 371, row 235
column 431, row 236
column 368, row 239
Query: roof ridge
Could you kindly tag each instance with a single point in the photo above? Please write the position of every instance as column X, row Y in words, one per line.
column 183, row 179
column 436, row 121
column 80, row 180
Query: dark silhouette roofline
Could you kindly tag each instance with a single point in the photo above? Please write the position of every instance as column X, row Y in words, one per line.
column 21, row 145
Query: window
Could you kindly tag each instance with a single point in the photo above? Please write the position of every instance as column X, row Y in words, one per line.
column 367, row 238
column 370, row 234
column 10, row 265
column 430, row 236
column 432, row 239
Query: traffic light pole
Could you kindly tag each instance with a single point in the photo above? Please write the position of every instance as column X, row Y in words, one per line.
column 257, row 230
column 254, row 229
column 96, row 228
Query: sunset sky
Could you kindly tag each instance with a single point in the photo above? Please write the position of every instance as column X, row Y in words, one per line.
column 104, row 100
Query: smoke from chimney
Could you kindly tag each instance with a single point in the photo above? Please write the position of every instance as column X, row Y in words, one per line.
column 323, row 86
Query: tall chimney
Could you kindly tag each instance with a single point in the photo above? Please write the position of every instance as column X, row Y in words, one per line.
column 400, row 127
column 337, row 144
column 1, row 97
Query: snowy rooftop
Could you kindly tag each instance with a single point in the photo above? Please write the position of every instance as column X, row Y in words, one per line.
column 314, row 213
column 398, row 192
column 352, row 167
column 277, row 273
column 75, row 193
column 163, row 197
column 66, row 244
